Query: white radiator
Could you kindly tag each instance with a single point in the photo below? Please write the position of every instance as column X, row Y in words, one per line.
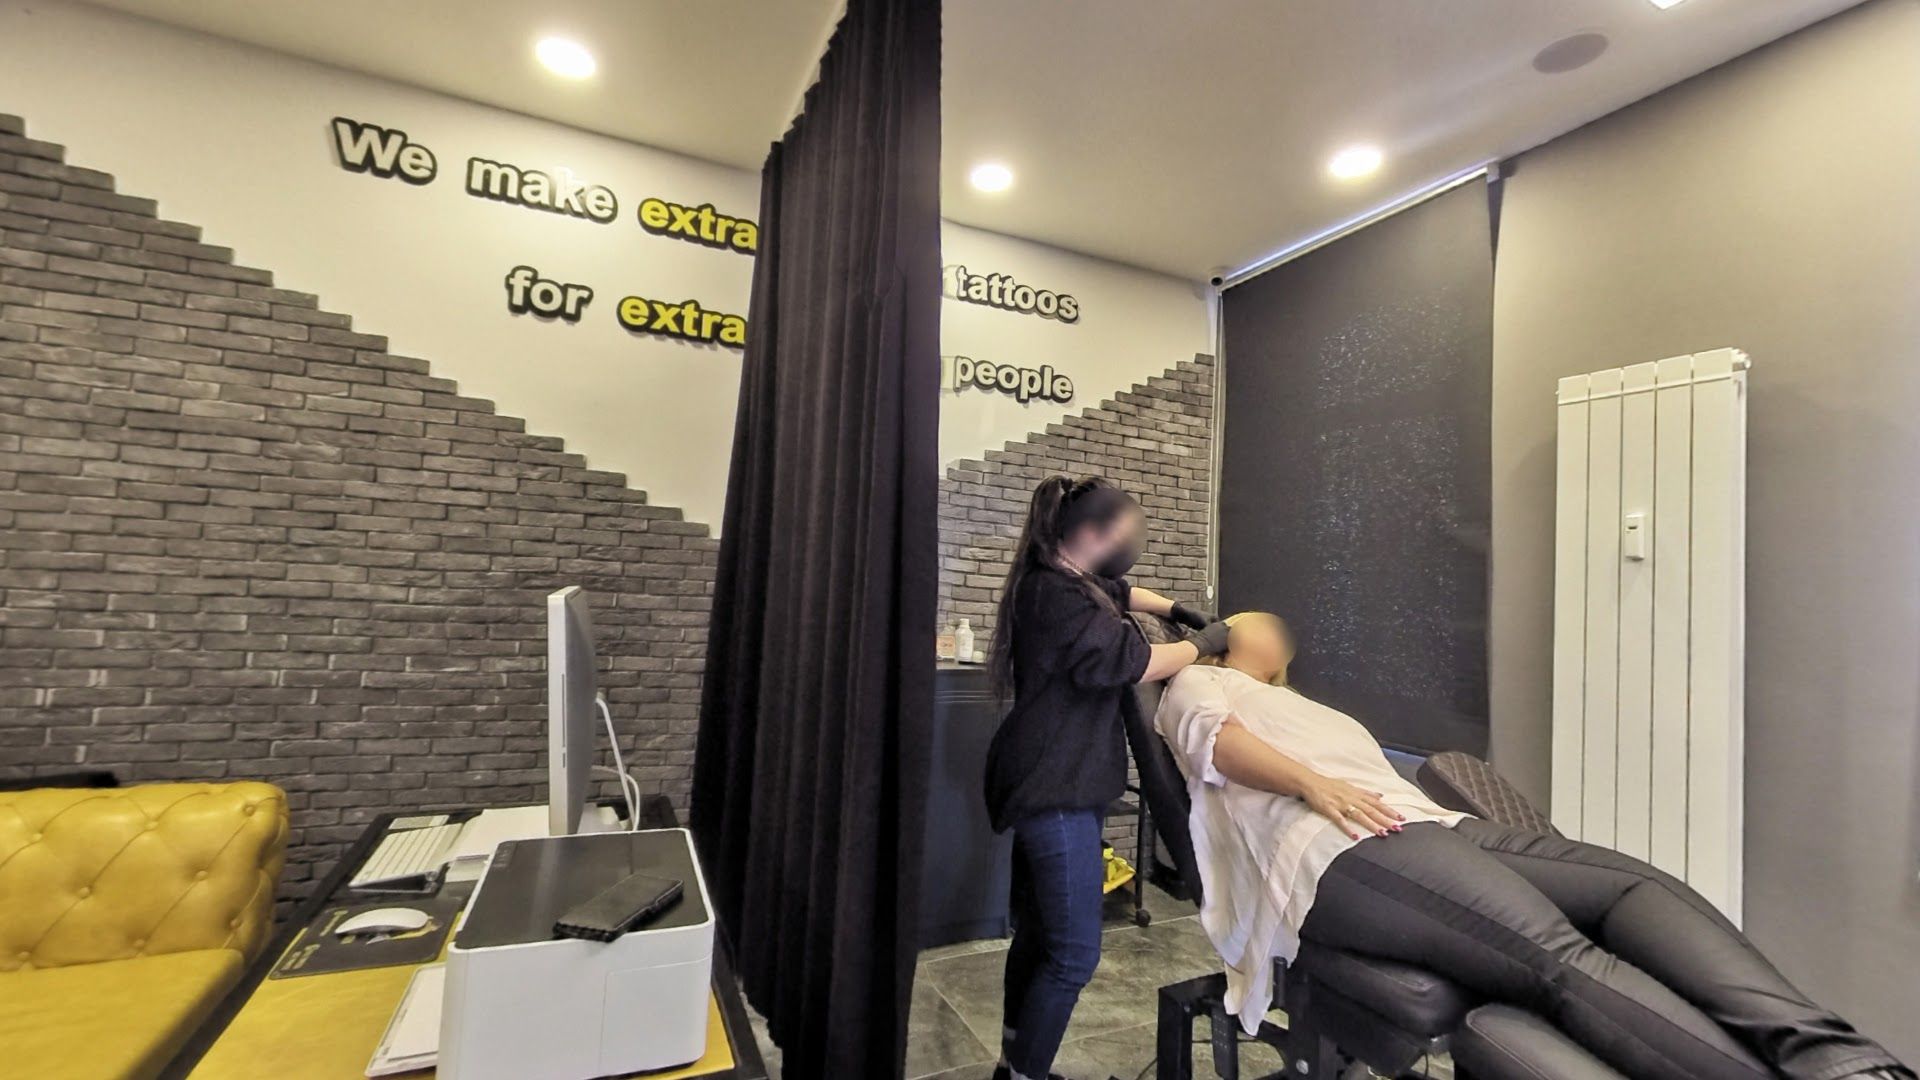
column 1648, row 641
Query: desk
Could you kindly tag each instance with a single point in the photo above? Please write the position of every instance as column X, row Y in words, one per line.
column 326, row 1026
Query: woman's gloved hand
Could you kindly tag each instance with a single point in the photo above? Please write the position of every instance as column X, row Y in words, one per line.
column 1193, row 617
column 1212, row 639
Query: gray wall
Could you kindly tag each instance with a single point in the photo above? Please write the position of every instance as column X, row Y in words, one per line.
column 1773, row 205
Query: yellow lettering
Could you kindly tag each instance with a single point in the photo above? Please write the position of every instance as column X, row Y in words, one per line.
column 635, row 312
column 698, row 224
column 686, row 320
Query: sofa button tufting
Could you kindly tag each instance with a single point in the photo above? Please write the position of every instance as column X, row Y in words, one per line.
column 24, row 956
column 34, row 839
column 139, row 943
column 85, row 891
column 199, row 875
column 247, row 809
column 233, row 924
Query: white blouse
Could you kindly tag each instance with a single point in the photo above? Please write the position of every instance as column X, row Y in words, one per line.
column 1261, row 854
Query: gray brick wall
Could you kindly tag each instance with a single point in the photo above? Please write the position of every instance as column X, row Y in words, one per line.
column 239, row 539
column 1155, row 440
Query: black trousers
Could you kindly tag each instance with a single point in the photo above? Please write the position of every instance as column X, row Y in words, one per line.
column 1626, row 960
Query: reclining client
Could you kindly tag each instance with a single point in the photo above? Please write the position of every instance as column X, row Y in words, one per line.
column 1304, row 831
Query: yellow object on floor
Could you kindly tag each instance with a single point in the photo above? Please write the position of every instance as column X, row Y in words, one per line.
column 1119, row 871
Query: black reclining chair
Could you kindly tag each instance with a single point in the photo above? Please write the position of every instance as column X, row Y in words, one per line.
column 1342, row 1008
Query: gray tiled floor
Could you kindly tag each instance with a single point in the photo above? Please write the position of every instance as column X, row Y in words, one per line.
column 954, row 1032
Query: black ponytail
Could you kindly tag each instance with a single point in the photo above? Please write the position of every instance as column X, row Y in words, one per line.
column 1059, row 506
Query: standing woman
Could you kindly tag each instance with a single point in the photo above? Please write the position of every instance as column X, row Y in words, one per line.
column 1065, row 648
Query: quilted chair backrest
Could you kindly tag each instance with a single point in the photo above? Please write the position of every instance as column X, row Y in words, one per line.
column 1460, row 781
column 92, row 874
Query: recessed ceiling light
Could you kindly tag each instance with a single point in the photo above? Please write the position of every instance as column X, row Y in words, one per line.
column 568, row 59
column 1355, row 162
column 1665, row 4
column 991, row 176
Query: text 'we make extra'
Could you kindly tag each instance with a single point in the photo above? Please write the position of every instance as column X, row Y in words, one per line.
column 390, row 153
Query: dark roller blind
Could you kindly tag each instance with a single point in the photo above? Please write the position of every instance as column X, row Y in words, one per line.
column 1355, row 452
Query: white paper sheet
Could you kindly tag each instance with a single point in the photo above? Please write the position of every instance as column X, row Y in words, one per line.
column 412, row 1039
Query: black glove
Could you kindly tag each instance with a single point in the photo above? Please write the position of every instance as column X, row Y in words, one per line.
column 1211, row 641
column 1193, row 617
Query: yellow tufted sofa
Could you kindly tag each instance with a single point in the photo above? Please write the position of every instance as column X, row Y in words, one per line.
column 125, row 915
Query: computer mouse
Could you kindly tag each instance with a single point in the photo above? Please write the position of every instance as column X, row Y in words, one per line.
column 386, row 920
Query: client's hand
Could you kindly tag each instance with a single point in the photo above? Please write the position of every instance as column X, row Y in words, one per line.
column 1350, row 807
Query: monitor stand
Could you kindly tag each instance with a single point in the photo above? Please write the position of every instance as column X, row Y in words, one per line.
column 601, row 819
column 496, row 825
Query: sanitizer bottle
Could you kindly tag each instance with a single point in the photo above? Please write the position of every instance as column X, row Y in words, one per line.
column 963, row 642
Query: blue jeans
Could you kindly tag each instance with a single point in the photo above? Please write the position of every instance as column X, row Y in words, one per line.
column 1057, row 879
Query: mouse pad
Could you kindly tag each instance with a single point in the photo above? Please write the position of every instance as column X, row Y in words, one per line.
column 318, row 950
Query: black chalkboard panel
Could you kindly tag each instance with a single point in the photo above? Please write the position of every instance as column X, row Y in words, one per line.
column 1354, row 495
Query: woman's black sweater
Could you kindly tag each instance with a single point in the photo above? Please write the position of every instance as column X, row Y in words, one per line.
column 1076, row 655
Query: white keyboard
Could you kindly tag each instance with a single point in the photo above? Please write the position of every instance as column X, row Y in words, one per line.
column 407, row 854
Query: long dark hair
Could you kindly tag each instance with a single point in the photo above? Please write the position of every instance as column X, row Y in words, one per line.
column 1060, row 506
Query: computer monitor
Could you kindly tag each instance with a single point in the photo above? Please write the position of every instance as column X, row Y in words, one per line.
column 570, row 709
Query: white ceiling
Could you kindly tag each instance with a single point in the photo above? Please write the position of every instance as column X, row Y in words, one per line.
column 1197, row 142
column 716, row 79
column 1183, row 137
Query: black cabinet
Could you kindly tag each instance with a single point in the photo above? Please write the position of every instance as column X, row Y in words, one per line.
column 965, row 866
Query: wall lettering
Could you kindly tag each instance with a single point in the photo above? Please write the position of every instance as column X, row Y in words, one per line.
column 686, row 320
column 389, row 153
column 532, row 188
column 699, row 224
column 527, row 292
column 384, row 152
column 1002, row 291
column 963, row 372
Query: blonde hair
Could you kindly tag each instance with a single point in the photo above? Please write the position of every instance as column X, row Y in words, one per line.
column 1220, row 660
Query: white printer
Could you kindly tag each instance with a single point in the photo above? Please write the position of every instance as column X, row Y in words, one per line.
column 524, row 1004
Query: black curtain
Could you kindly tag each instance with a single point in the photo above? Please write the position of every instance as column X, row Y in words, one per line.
column 1356, row 466
column 810, row 775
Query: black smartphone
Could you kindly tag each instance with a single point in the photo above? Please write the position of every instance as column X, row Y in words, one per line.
column 627, row 904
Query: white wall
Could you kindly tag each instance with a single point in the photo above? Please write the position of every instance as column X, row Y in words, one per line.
column 1133, row 324
column 236, row 139
column 1772, row 204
